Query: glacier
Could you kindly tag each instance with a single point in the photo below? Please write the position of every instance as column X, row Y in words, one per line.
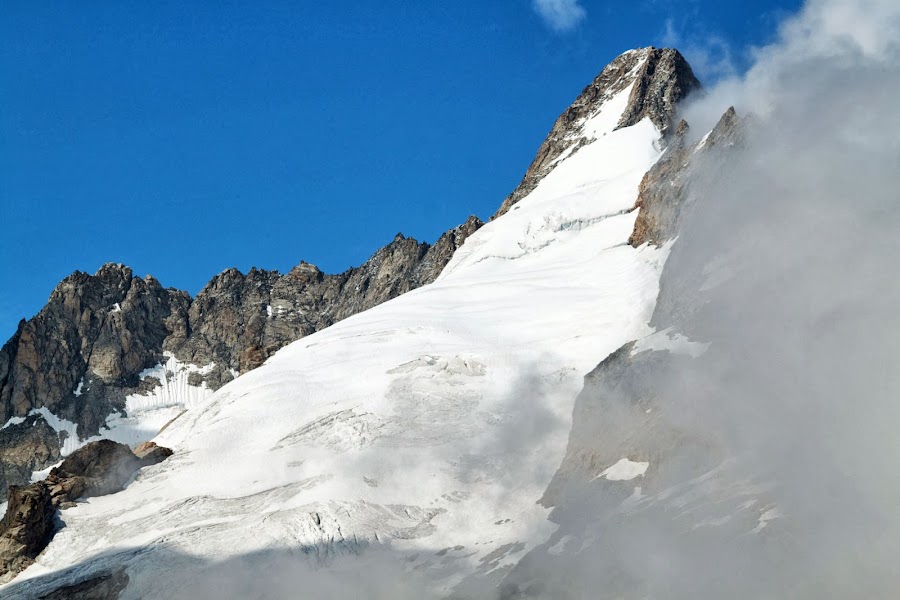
column 429, row 425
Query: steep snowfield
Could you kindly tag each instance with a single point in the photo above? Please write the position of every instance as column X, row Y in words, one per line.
column 430, row 424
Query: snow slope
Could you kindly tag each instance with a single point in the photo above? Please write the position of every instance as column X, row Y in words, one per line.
column 430, row 424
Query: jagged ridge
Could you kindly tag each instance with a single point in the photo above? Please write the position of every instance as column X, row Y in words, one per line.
column 661, row 78
column 83, row 353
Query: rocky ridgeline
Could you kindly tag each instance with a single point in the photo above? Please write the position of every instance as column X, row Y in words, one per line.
column 81, row 356
column 660, row 79
column 97, row 469
column 665, row 190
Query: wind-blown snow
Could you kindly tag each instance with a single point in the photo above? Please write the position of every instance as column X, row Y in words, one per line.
column 431, row 423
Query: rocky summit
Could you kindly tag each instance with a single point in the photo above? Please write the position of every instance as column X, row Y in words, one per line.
column 658, row 78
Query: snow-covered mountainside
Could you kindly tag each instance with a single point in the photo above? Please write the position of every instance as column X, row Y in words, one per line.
column 102, row 357
column 427, row 428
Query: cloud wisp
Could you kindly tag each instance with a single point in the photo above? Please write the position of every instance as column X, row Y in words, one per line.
column 561, row 16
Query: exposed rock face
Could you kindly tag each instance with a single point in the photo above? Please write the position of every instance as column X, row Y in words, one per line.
column 661, row 77
column 26, row 447
column 26, row 528
column 99, row 331
column 151, row 454
column 663, row 81
column 237, row 321
column 81, row 356
column 98, row 468
column 665, row 189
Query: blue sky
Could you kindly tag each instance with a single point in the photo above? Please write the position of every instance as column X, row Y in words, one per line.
column 182, row 138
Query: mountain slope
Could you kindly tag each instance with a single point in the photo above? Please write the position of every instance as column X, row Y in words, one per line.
column 118, row 356
column 424, row 429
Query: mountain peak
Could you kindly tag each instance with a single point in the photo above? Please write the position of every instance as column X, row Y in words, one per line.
column 658, row 78
column 662, row 81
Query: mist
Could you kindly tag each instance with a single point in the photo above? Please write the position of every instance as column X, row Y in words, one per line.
column 773, row 454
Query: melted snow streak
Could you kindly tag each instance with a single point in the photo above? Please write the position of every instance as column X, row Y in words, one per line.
column 428, row 426
column 146, row 414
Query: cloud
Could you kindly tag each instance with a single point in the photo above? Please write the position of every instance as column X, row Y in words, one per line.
column 560, row 15
column 771, row 454
column 710, row 55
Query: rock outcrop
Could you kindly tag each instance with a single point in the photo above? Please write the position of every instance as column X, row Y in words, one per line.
column 83, row 354
column 27, row 446
column 26, row 528
column 665, row 190
column 97, row 469
column 660, row 78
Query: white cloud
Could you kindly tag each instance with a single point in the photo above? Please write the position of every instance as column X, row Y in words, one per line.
column 560, row 15
column 709, row 55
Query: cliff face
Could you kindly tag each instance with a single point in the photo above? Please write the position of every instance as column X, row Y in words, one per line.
column 665, row 189
column 83, row 354
column 659, row 78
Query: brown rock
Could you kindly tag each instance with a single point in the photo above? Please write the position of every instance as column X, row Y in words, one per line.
column 96, row 469
column 151, row 454
column 660, row 83
column 26, row 528
column 664, row 192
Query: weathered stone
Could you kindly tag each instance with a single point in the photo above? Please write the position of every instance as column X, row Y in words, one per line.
column 26, row 528
column 665, row 190
column 151, row 454
column 26, row 447
column 660, row 78
column 96, row 469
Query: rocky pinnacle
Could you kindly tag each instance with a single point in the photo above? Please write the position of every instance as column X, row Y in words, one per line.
column 659, row 78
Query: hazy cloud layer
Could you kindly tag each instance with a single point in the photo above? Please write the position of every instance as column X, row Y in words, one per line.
column 560, row 15
column 787, row 266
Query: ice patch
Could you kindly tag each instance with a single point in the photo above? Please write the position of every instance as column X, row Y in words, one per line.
column 13, row 421
column 269, row 311
column 117, row 307
column 77, row 391
column 624, row 470
column 59, row 425
column 42, row 474
column 702, row 142
column 674, row 342
column 146, row 414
